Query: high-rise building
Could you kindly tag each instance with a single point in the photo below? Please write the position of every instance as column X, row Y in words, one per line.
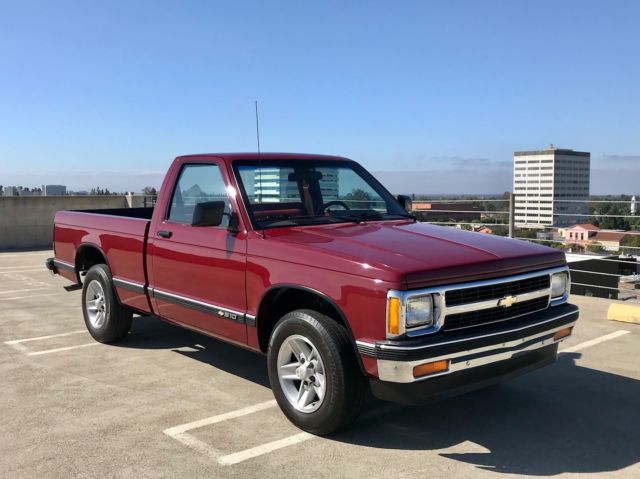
column 551, row 187
column 273, row 185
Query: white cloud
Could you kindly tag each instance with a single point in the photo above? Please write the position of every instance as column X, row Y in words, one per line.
column 451, row 181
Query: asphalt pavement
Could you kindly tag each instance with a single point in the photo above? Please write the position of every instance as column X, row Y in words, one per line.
column 167, row 402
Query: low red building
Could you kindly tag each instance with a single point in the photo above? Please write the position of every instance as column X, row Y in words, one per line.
column 580, row 233
column 588, row 235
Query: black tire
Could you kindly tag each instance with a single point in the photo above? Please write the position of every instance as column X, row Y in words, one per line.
column 117, row 318
column 346, row 386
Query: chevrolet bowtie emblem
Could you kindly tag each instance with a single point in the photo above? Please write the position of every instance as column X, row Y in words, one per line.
column 508, row 301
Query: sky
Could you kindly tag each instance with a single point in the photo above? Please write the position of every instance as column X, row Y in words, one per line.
column 432, row 96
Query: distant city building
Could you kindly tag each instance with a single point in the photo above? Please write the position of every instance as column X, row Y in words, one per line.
column 20, row 191
column 54, row 190
column 633, row 205
column 551, row 186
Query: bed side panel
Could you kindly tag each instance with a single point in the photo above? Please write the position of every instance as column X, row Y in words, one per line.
column 121, row 239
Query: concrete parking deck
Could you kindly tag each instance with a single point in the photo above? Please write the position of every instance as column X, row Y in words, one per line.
column 167, row 402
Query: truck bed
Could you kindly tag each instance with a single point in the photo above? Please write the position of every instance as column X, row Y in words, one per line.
column 120, row 235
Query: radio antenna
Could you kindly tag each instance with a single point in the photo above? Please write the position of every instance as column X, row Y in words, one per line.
column 257, row 127
column 264, row 236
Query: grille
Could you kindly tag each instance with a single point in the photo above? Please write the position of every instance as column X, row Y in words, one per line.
column 484, row 316
column 457, row 297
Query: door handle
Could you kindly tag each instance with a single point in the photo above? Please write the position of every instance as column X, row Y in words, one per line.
column 164, row 233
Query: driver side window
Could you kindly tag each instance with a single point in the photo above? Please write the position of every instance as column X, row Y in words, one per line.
column 197, row 184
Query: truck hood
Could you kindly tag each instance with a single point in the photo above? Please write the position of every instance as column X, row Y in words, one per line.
column 417, row 254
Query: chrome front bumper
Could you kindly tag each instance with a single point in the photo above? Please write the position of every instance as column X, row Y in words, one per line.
column 396, row 360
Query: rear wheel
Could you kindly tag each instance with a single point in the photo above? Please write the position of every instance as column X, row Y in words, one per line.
column 314, row 373
column 106, row 319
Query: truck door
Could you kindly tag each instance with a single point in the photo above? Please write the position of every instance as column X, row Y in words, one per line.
column 198, row 272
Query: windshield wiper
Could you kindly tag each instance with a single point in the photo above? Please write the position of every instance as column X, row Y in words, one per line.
column 404, row 215
column 359, row 218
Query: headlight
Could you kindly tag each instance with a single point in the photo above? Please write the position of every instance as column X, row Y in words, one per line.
column 419, row 311
column 559, row 284
column 406, row 313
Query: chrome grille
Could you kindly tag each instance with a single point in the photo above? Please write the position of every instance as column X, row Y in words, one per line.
column 497, row 290
column 477, row 304
column 485, row 316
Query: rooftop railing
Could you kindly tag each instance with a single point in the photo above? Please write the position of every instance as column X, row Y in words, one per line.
column 604, row 269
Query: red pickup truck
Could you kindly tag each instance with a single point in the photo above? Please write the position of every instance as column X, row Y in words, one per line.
column 310, row 260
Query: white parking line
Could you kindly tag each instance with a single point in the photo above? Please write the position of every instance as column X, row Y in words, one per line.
column 29, row 296
column 23, row 290
column 67, row 348
column 219, row 418
column 593, row 342
column 24, row 270
column 180, row 434
column 38, row 338
column 196, row 444
column 237, row 457
column 22, row 255
column 17, row 267
column 18, row 346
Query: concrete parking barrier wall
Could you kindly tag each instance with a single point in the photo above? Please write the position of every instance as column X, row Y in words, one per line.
column 27, row 221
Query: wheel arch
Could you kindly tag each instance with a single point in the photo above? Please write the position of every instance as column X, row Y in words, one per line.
column 281, row 299
column 87, row 255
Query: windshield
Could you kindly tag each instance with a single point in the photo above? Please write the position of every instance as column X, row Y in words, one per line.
column 305, row 192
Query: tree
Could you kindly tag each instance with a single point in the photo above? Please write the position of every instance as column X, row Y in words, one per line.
column 500, row 230
column 595, row 247
column 575, row 247
column 631, row 242
column 149, row 191
column 359, row 197
column 605, row 213
column 527, row 233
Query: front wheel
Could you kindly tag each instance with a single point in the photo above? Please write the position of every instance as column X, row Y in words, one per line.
column 106, row 319
column 314, row 373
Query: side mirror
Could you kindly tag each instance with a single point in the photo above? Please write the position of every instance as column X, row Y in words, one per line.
column 405, row 202
column 209, row 213
column 234, row 224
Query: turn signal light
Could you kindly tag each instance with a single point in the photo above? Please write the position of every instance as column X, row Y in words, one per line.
column 430, row 368
column 393, row 316
column 563, row 333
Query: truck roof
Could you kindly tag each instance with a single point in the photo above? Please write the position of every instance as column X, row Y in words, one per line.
column 263, row 156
